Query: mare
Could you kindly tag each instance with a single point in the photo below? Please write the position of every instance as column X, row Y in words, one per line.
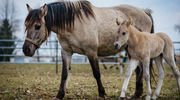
column 84, row 29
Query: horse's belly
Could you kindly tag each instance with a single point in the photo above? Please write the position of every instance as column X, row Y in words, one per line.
column 156, row 48
column 109, row 50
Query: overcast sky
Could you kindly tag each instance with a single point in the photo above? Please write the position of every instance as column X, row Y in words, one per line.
column 166, row 13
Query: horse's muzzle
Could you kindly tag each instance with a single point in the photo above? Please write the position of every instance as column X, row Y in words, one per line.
column 29, row 49
column 116, row 45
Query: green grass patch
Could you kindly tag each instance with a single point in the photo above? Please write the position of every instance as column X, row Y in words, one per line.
column 39, row 81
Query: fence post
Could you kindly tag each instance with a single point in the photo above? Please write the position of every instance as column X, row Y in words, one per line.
column 38, row 58
column 56, row 57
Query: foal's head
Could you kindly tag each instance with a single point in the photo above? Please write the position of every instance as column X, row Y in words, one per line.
column 122, row 33
column 36, row 29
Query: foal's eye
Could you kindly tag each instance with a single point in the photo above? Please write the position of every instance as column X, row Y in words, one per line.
column 124, row 33
column 37, row 27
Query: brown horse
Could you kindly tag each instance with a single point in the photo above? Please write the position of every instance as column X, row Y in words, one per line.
column 142, row 47
column 81, row 28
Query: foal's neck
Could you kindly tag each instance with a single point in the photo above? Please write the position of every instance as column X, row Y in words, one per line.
column 133, row 36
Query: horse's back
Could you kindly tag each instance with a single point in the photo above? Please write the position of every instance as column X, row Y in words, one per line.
column 107, row 27
column 100, row 32
column 166, row 38
column 137, row 14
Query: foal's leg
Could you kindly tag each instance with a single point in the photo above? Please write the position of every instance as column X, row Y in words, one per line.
column 169, row 57
column 66, row 58
column 132, row 66
column 160, row 68
column 146, row 75
column 93, row 59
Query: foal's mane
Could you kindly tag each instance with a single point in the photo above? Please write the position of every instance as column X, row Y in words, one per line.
column 62, row 14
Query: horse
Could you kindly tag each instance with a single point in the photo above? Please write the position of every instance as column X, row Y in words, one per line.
column 142, row 47
column 84, row 29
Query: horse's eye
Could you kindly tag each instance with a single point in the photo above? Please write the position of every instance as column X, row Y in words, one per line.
column 37, row 27
column 124, row 33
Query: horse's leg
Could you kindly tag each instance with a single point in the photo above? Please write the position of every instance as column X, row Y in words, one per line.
column 105, row 67
column 121, row 69
column 139, row 82
column 66, row 58
column 132, row 66
column 93, row 59
column 169, row 57
column 160, row 68
column 146, row 75
column 139, row 75
column 102, row 60
column 117, row 61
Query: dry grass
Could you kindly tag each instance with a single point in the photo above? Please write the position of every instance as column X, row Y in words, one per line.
column 39, row 81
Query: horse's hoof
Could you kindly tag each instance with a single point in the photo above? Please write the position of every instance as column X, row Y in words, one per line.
column 102, row 92
column 135, row 97
column 148, row 97
column 100, row 98
column 138, row 93
column 60, row 95
column 111, row 67
column 101, row 95
column 122, row 98
column 54, row 98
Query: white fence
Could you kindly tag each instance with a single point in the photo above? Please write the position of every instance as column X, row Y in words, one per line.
column 50, row 53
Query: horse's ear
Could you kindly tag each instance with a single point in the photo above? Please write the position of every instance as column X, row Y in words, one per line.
column 129, row 22
column 44, row 10
column 117, row 21
column 29, row 8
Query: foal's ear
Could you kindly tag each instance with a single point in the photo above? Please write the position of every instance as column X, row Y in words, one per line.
column 44, row 10
column 129, row 22
column 29, row 8
column 117, row 21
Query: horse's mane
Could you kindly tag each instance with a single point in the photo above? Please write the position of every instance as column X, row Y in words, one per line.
column 62, row 14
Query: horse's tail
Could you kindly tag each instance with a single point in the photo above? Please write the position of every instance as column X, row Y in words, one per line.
column 149, row 13
column 174, row 56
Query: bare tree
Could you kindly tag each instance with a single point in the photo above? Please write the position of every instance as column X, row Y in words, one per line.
column 8, row 25
column 177, row 27
column 8, row 11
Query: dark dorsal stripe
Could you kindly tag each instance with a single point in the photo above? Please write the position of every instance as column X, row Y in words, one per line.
column 63, row 14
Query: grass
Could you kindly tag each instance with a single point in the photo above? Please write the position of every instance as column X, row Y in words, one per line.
column 39, row 81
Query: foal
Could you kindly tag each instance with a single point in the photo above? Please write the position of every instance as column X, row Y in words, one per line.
column 142, row 47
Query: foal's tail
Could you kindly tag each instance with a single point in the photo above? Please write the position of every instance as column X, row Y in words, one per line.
column 149, row 13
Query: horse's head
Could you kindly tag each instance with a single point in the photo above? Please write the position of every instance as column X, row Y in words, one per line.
column 122, row 33
column 36, row 29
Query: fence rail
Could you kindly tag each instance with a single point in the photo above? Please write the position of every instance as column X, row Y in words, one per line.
column 52, row 54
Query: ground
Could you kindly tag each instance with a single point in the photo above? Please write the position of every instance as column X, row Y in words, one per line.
column 40, row 82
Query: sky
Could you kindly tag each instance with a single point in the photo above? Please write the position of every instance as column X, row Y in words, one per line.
column 166, row 13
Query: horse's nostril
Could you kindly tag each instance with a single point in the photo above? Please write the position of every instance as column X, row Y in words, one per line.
column 116, row 46
column 26, row 50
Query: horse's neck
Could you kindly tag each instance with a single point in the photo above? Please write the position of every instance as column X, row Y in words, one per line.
column 133, row 36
